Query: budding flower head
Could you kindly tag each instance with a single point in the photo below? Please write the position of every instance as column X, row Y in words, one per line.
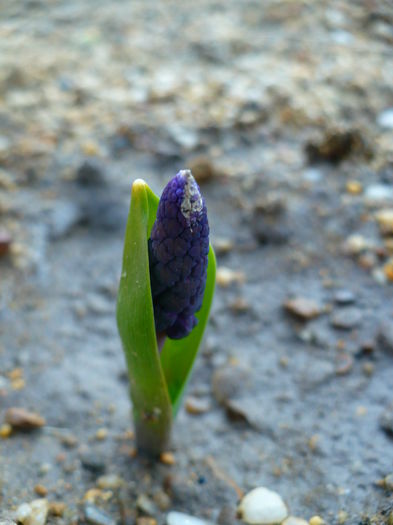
column 178, row 251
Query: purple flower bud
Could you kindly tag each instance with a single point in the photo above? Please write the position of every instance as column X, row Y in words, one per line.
column 178, row 250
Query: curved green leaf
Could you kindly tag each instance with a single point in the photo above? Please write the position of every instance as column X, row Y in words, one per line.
column 135, row 320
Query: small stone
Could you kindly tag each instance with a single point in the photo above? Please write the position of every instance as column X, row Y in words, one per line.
column 101, row 434
column 337, row 145
column 57, row 508
column 386, row 421
column 239, row 306
column 385, row 118
column 40, row 490
column 5, row 242
column 202, row 169
column 385, row 221
column 162, row 500
column 388, row 269
column 34, row 513
column 222, row 246
column 5, row 431
column 346, row 319
column 111, row 481
column 22, row 419
column 262, row 506
column 167, row 458
column 229, row 381
column 69, row 440
column 96, row 516
column 225, row 277
column 303, row 308
column 90, row 174
column 388, row 482
column 378, row 194
column 292, row 520
column 92, row 462
column 179, row 518
column 344, row 365
column 145, row 505
column 368, row 369
column 354, row 187
column 316, row 520
column 196, row 405
column 269, row 222
column 342, row 517
column 344, row 297
column 146, row 521
column 356, row 244
column 385, row 336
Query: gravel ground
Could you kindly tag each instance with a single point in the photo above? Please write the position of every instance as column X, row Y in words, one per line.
column 284, row 111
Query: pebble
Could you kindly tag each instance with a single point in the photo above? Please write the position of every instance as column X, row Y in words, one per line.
column 377, row 194
column 385, row 336
column 346, row 319
column 92, row 462
column 269, row 221
column 388, row 269
column 229, row 381
column 239, row 306
column 89, row 174
column 388, row 482
column 222, row 245
column 146, row 521
column 344, row 297
column 145, row 505
column 262, row 506
column 111, row 481
column 57, row 508
column 385, row 118
column 34, row 513
column 179, row 518
column 202, row 169
column 22, row 419
column 5, row 431
column 196, row 405
column 40, row 490
column 337, row 145
column 96, row 516
column 293, row 520
column 356, row 244
column 167, row 458
column 225, row 277
column 303, row 308
column 385, row 221
column 5, row 242
column 316, row 520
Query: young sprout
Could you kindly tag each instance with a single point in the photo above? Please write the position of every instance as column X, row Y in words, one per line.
column 165, row 293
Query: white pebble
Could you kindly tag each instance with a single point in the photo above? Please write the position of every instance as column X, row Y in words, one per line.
column 34, row 513
column 385, row 118
column 262, row 506
column 293, row 520
column 178, row 518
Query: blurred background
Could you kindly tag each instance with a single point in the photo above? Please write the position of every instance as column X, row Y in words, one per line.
column 284, row 112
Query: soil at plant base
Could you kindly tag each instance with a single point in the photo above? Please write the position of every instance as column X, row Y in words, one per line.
column 284, row 111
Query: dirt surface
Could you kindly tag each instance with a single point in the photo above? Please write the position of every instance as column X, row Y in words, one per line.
column 284, row 110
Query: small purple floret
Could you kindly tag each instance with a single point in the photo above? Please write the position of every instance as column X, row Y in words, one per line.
column 178, row 250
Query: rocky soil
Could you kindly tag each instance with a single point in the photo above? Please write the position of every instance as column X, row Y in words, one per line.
column 284, row 112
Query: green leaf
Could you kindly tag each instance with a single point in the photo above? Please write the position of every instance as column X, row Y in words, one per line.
column 135, row 319
column 177, row 356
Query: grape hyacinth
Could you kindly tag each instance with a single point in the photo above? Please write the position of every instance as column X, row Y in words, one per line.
column 178, row 256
